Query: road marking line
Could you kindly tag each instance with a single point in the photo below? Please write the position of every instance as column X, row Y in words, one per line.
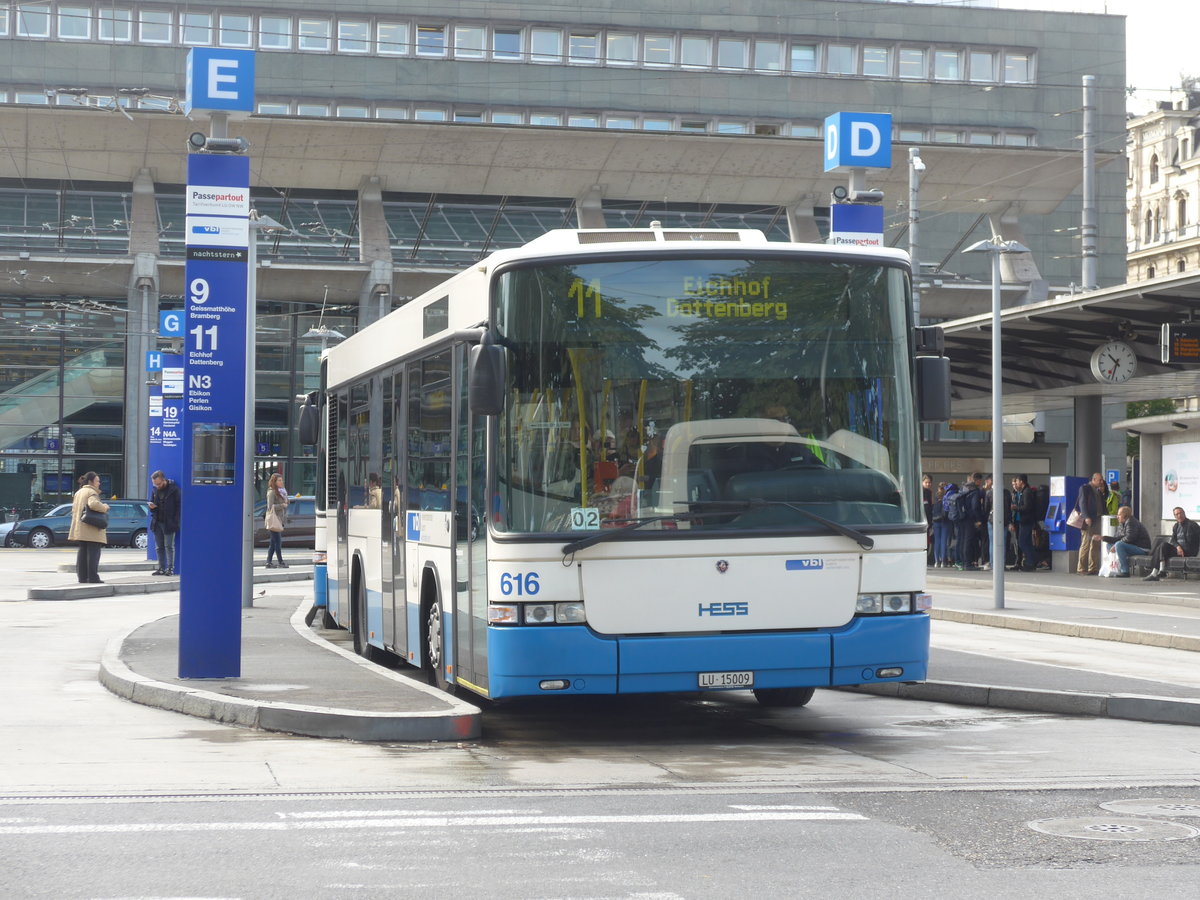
column 367, row 814
column 784, row 806
column 475, row 821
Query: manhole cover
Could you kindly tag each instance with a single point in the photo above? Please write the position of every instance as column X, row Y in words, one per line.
column 1115, row 829
column 1154, row 807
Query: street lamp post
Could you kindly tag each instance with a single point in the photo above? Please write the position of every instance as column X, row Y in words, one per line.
column 995, row 247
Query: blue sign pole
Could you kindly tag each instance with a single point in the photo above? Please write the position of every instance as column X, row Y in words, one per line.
column 216, row 369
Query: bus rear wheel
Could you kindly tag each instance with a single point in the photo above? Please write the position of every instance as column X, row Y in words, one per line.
column 435, row 652
column 783, row 696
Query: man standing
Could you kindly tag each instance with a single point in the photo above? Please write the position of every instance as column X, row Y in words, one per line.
column 1090, row 504
column 165, row 521
column 970, row 521
column 1185, row 541
column 1024, row 513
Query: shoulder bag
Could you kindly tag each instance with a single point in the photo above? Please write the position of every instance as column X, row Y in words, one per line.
column 93, row 518
column 1076, row 520
column 273, row 521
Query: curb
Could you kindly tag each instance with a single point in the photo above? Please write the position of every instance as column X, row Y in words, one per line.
column 1077, row 593
column 462, row 722
column 154, row 586
column 1138, row 707
column 1071, row 629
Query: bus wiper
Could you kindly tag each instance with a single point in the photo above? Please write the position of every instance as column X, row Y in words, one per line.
column 863, row 540
column 608, row 534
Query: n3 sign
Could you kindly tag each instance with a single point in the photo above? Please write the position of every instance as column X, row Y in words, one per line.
column 858, row 141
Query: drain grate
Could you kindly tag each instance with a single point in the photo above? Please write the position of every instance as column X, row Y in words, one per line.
column 1154, row 807
column 1114, row 829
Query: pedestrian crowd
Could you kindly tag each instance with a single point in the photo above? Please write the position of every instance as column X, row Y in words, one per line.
column 961, row 527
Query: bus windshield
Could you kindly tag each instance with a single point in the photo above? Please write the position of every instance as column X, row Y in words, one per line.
column 734, row 392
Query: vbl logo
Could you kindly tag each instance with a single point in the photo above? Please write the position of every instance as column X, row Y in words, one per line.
column 737, row 608
column 811, row 563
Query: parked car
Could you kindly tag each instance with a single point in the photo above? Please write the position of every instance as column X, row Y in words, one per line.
column 6, row 528
column 127, row 523
column 301, row 528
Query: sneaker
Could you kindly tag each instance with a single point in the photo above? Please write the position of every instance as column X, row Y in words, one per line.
column 158, row 572
column 1153, row 576
column 960, row 567
column 986, row 567
column 1121, row 575
column 271, row 565
column 170, row 573
column 283, row 565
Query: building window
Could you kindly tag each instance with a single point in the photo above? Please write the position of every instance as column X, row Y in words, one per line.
column 805, row 131
column 695, row 52
column 652, row 124
column 1149, row 226
column 877, row 61
column 731, row 128
column 115, row 24
column 4, row 26
column 33, row 20
column 431, row 40
column 1018, row 140
column 766, row 129
column 804, row 57
column 352, row 112
column 1018, row 68
column 582, row 121
column 911, row 135
column 391, row 38
column 1181, row 214
column 912, row 63
column 154, row 26
column 658, row 49
column 943, row 136
column 468, row 41
column 731, row 54
column 312, row 109
column 274, row 32
column 508, row 118
column 75, row 22
column 234, row 30
column 430, row 115
column 354, row 37
column 274, row 109
column 839, row 59
column 1180, row 266
column 583, row 47
column 545, row 44
column 506, row 43
column 621, row 49
column 768, row 56
column 32, row 98
column 471, row 117
column 1154, row 169
column 315, row 34
column 693, row 127
column 618, row 122
column 195, row 29
column 947, row 65
column 544, row 119
column 391, row 112
column 1149, row 271
column 981, row 137
column 983, row 66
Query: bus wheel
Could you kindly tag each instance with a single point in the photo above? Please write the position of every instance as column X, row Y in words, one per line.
column 358, row 620
column 783, row 696
column 436, row 647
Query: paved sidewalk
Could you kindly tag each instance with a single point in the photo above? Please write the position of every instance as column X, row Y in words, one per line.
column 304, row 681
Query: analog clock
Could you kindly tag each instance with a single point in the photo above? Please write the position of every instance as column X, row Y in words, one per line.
column 1114, row 363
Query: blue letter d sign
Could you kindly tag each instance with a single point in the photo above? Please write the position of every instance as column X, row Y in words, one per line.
column 858, row 141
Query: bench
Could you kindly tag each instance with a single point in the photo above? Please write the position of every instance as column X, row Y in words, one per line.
column 1185, row 566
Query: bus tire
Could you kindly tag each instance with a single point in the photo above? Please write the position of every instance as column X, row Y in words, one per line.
column 435, row 647
column 358, row 619
column 783, row 696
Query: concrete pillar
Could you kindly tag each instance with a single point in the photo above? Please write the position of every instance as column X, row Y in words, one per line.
column 802, row 224
column 1156, row 519
column 373, row 240
column 141, row 328
column 375, row 295
column 1087, row 437
column 589, row 208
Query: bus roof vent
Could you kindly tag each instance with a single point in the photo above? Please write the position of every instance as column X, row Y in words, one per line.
column 616, row 236
column 702, row 235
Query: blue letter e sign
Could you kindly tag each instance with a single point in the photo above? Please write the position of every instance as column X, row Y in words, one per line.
column 858, row 141
column 219, row 79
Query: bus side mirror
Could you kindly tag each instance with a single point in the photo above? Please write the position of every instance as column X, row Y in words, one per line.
column 308, row 422
column 485, row 388
column 933, row 388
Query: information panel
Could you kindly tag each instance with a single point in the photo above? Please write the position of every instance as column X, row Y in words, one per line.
column 166, row 434
column 215, row 370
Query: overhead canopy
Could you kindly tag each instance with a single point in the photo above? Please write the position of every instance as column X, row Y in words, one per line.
column 1047, row 348
column 100, row 145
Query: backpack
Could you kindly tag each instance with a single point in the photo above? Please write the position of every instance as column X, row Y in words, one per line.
column 950, row 505
column 967, row 504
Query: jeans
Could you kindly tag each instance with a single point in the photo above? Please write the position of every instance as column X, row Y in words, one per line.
column 1028, row 555
column 1125, row 550
column 276, row 546
column 941, row 541
column 164, row 549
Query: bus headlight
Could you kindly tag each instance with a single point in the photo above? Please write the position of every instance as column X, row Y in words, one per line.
column 569, row 613
column 897, row 603
column 503, row 614
column 539, row 613
column 869, row 604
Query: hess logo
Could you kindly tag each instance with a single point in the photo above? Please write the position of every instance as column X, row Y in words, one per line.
column 729, row 608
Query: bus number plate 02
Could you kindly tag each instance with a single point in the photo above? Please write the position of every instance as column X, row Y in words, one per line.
column 719, row 680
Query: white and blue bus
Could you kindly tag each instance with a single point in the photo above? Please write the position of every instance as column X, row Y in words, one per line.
column 633, row 461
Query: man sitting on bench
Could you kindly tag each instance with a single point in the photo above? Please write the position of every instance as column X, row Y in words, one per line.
column 1185, row 541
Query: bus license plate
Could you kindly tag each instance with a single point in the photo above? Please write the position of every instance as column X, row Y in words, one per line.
column 718, row 680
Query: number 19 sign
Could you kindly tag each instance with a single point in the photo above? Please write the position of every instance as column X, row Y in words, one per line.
column 215, row 373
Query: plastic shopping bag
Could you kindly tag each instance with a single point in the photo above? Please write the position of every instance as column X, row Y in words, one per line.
column 1110, row 566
